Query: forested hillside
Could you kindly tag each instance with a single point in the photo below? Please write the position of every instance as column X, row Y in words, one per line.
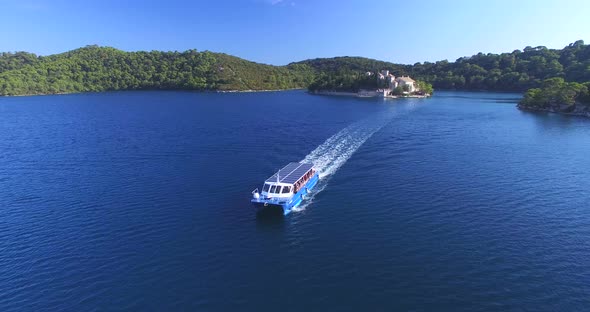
column 514, row 71
column 93, row 68
column 351, row 64
column 558, row 96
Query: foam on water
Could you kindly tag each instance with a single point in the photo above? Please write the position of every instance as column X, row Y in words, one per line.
column 336, row 150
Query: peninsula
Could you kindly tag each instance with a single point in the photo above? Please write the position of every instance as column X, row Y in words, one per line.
column 370, row 84
column 558, row 96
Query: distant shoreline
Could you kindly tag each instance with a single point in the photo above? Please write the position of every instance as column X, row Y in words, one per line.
column 249, row 90
column 151, row 90
column 336, row 93
column 360, row 95
column 578, row 113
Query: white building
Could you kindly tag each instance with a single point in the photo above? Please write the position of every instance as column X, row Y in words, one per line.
column 406, row 81
column 387, row 77
column 392, row 82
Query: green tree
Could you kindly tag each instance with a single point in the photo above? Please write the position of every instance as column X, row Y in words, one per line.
column 424, row 87
column 555, row 92
column 398, row 91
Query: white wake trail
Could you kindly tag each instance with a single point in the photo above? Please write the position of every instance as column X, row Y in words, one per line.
column 336, row 150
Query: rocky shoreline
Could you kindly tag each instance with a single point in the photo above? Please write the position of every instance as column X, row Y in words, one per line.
column 578, row 109
column 336, row 93
column 365, row 95
column 251, row 91
column 136, row 90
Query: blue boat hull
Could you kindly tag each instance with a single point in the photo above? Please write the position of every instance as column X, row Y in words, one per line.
column 287, row 204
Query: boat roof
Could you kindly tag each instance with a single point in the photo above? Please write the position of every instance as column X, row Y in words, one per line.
column 290, row 173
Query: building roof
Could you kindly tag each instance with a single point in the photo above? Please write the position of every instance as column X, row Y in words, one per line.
column 290, row 173
column 406, row 79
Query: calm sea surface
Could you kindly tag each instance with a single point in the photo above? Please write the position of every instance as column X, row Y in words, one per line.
column 140, row 201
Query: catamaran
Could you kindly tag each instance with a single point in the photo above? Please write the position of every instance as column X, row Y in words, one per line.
column 286, row 188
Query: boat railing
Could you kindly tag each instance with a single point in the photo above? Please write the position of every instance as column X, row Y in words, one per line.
column 255, row 191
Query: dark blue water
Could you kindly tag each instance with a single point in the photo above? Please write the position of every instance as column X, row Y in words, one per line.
column 139, row 201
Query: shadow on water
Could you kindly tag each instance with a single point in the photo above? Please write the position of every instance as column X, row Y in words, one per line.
column 548, row 120
column 497, row 97
column 270, row 219
column 506, row 101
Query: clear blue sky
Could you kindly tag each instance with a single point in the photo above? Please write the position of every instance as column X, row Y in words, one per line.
column 279, row 32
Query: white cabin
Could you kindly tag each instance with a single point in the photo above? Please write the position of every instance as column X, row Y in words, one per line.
column 287, row 181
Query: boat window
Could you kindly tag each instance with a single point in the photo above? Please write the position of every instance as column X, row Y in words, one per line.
column 266, row 187
column 273, row 189
column 286, row 189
